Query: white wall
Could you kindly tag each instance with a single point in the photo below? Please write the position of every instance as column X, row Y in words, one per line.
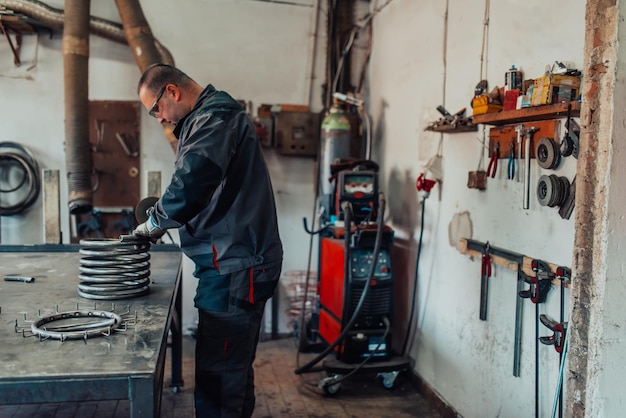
column 257, row 51
column 468, row 361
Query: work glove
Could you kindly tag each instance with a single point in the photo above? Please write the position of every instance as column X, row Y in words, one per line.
column 150, row 230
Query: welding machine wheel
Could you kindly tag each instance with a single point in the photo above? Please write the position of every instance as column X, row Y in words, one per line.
column 388, row 379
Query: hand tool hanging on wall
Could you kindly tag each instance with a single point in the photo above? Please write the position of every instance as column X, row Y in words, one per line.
column 485, row 274
column 566, row 209
column 478, row 179
column 521, row 131
column 570, row 142
column 493, row 161
column 558, row 332
column 538, row 291
column 519, row 311
column 529, row 137
column 510, row 168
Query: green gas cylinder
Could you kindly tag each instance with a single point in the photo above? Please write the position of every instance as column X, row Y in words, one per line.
column 336, row 134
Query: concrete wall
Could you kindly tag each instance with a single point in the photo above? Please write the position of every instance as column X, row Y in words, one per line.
column 468, row 361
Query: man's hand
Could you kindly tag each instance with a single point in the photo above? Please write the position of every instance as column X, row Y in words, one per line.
column 150, row 230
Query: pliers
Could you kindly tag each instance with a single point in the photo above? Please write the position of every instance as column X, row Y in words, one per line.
column 510, row 169
column 493, row 162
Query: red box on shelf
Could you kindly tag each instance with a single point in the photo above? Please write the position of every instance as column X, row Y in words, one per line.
column 510, row 99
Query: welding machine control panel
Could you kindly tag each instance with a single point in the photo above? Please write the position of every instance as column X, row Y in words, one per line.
column 361, row 262
column 358, row 185
column 360, row 188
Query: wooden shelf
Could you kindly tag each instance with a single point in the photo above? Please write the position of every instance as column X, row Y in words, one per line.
column 528, row 114
column 450, row 129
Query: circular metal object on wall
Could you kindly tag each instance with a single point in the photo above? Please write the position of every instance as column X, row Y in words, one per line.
column 548, row 153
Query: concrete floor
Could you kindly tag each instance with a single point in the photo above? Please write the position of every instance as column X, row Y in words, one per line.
column 280, row 393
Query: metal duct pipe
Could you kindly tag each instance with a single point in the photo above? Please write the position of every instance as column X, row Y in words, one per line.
column 142, row 44
column 138, row 33
column 76, row 82
column 54, row 18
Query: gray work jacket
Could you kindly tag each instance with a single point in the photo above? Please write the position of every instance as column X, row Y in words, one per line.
column 220, row 196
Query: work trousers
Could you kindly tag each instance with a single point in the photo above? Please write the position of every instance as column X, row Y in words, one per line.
column 225, row 350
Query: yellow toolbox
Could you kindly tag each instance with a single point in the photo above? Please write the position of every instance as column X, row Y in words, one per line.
column 481, row 105
column 555, row 88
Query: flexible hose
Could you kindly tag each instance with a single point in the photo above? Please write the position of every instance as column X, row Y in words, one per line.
column 30, row 169
column 417, row 266
column 357, row 311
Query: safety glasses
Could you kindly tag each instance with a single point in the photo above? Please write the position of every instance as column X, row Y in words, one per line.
column 155, row 106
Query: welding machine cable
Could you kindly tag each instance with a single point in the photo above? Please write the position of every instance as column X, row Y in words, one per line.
column 377, row 244
column 21, row 157
column 417, row 266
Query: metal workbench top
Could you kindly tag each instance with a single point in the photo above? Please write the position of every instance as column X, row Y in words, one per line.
column 124, row 365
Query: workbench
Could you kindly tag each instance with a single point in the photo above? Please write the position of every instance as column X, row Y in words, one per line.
column 125, row 365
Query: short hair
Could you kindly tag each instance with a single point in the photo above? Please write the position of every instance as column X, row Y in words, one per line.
column 158, row 75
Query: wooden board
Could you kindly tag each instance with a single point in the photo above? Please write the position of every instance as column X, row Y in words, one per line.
column 505, row 135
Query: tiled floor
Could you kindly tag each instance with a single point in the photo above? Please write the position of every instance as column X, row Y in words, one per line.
column 280, row 393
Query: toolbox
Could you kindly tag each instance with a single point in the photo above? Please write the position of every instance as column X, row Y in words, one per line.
column 555, row 88
column 481, row 105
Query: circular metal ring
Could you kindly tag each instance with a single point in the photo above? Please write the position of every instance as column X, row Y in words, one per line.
column 548, row 154
column 544, row 190
column 100, row 323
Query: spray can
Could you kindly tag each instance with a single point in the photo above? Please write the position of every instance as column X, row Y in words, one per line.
column 513, row 79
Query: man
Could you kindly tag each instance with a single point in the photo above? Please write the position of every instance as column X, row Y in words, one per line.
column 221, row 200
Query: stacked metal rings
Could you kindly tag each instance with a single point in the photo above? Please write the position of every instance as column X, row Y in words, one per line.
column 114, row 268
column 552, row 190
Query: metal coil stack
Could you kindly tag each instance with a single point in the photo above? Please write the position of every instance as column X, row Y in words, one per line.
column 114, row 268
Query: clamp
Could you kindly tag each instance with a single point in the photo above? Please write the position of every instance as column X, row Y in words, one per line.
column 558, row 328
column 485, row 274
column 493, row 162
column 540, row 284
column 510, row 169
column 564, row 274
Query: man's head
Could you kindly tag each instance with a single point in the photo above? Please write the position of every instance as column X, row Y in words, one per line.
column 167, row 93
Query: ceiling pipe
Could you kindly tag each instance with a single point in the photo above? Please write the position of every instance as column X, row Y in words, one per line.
column 76, row 84
column 55, row 18
column 138, row 33
column 142, row 44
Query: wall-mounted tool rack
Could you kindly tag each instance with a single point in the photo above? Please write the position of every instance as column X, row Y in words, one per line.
column 507, row 134
column 504, row 258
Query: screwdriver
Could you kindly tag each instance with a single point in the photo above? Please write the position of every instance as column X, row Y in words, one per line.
column 24, row 279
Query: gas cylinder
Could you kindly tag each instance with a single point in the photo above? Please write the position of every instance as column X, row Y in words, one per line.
column 335, row 139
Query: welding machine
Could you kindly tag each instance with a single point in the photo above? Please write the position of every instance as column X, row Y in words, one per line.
column 347, row 255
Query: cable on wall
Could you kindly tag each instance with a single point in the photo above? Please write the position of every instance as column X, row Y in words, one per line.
column 20, row 182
